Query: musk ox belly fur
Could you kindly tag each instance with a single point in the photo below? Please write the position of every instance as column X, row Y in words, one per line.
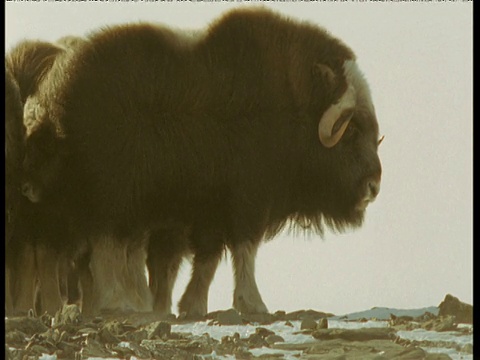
column 230, row 134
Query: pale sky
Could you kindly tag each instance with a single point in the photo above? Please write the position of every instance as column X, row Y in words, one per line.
column 417, row 242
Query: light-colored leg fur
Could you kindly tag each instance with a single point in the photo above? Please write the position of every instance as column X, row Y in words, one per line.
column 49, row 275
column 194, row 301
column 8, row 292
column 23, row 281
column 246, row 297
column 162, row 281
column 118, row 272
column 87, row 302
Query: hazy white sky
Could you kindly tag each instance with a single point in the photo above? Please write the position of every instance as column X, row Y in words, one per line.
column 417, row 243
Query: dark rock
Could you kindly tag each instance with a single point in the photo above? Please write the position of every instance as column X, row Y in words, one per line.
column 302, row 314
column 263, row 332
column 201, row 345
column 446, row 323
column 270, row 356
column 467, row 348
column 137, row 336
column 263, row 319
column 425, row 317
column 68, row 349
column 294, row 347
column 435, row 357
column 288, row 323
column 114, row 327
column 399, row 320
column 308, row 324
column 106, row 336
column 87, row 331
column 18, row 354
column 280, row 315
column 95, row 349
column 453, row 306
column 229, row 317
column 122, row 351
column 362, row 334
column 442, row 323
column 140, row 351
column 322, row 324
column 160, row 329
column 406, row 326
column 365, row 350
column 8, row 353
column 242, row 353
column 47, row 319
column 256, row 341
column 272, row 339
column 15, row 337
column 39, row 350
column 27, row 325
column 68, row 314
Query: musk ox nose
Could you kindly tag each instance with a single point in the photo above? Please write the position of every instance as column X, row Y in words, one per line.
column 373, row 187
column 26, row 189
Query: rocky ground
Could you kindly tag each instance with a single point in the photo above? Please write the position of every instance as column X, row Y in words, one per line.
column 68, row 335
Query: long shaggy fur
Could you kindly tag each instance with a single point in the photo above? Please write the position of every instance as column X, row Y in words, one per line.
column 36, row 239
column 215, row 133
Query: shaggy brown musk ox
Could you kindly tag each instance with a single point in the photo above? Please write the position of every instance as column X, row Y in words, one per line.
column 223, row 138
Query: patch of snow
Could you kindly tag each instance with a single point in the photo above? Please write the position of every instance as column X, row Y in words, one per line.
column 339, row 324
column 47, row 357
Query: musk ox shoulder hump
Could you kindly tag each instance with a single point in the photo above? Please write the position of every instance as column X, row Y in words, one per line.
column 272, row 28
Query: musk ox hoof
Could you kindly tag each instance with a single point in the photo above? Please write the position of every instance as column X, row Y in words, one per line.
column 249, row 306
column 192, row 309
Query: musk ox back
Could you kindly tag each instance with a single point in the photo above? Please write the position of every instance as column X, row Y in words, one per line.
column 230, row 134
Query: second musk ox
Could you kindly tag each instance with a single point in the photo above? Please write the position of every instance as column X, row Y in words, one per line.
column 208, row 141
column 34, row 238
column 42, row 265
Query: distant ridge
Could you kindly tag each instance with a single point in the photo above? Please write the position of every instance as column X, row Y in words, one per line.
column 383, row 313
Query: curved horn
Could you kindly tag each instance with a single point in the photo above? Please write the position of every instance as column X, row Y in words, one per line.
column 337, row 116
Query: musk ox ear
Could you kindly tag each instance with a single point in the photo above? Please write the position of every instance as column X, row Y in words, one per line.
column 335, row 120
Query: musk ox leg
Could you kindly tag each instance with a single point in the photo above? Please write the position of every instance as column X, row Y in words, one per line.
column 85, row 279
column 49, row 274
column 23, row 280
column 73, row 291
column 166, row 250
column 118, row 271
column 194, row 301
column 162, row 275
column 8, row 293
column 246, row 297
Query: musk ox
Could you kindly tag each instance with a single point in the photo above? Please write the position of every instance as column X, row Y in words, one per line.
column 45, row 266
column 37, row 265
column 30, row 266
column 211, row 141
